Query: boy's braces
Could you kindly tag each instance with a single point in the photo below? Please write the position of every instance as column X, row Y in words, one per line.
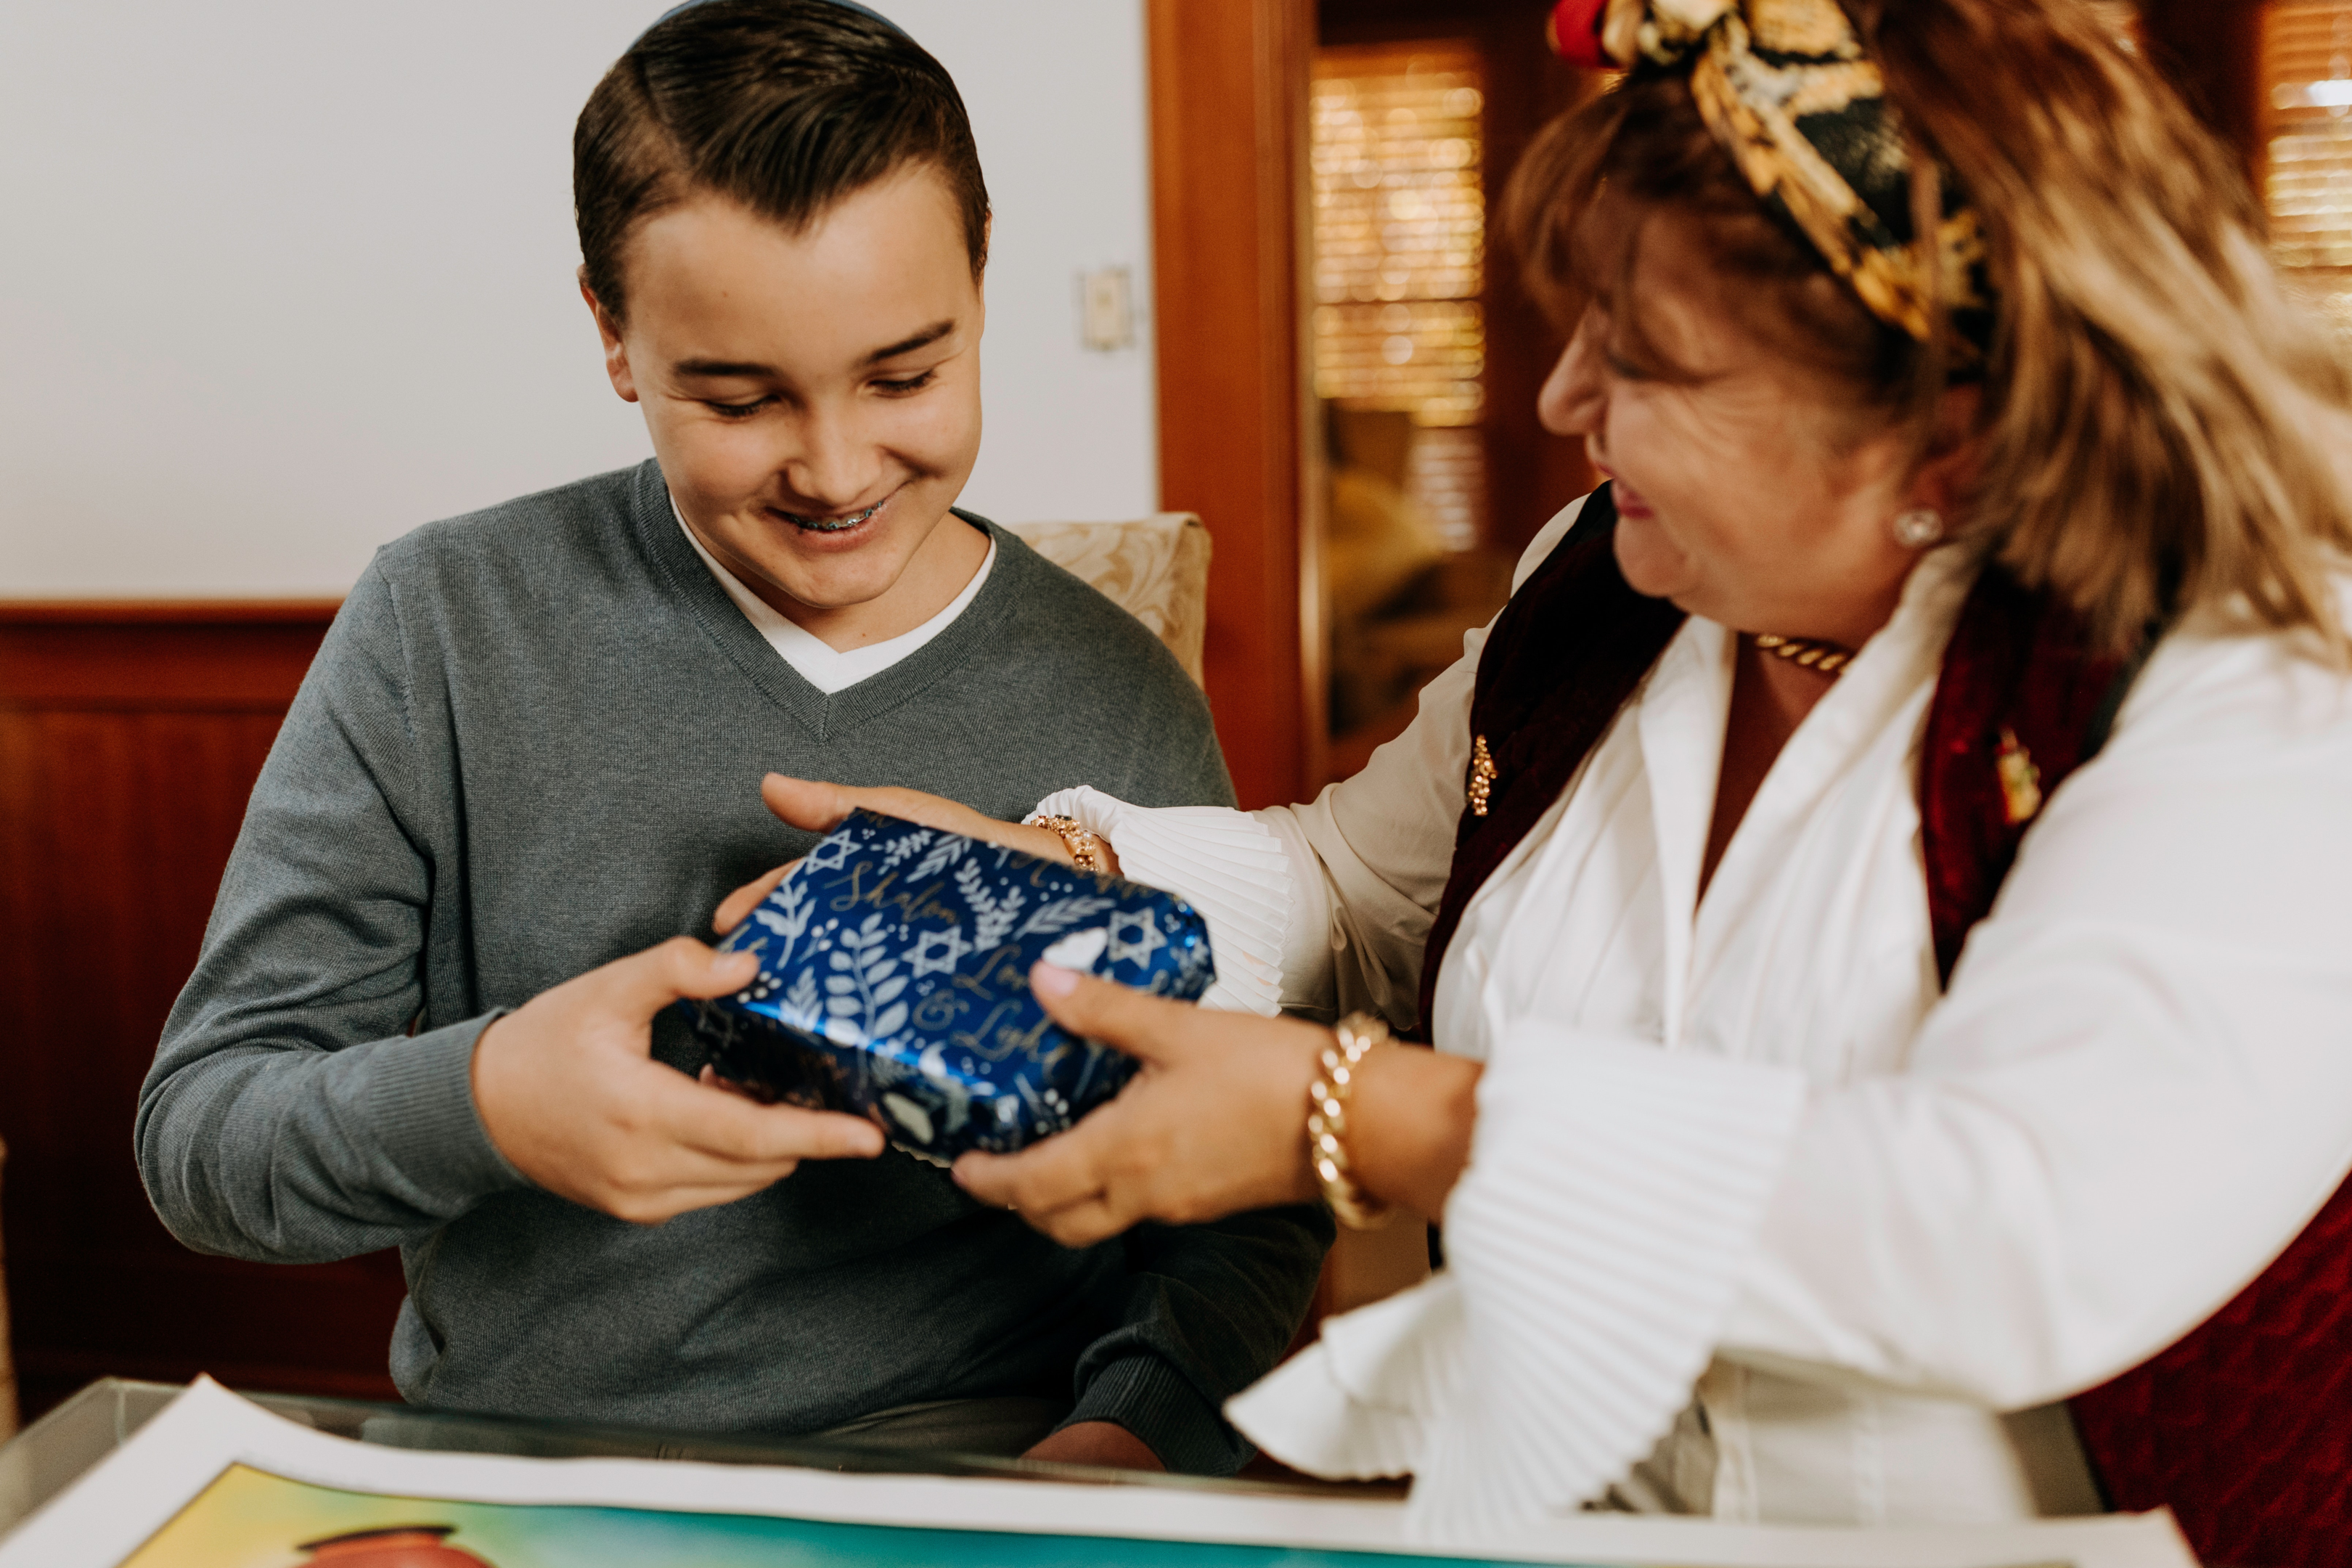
column 836, row 525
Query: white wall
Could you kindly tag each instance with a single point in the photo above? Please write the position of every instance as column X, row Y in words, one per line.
column 281, row 280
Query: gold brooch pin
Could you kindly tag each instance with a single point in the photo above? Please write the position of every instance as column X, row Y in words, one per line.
column 1482, row 777
column 2020, row 781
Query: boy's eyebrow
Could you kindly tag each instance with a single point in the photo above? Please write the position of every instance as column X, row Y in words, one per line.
column 921, row 340
column 720, row 368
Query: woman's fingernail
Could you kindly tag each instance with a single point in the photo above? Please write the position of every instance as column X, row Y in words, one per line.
column 1049, row 981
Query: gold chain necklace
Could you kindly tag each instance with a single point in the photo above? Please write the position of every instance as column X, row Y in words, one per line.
column 1825, row 657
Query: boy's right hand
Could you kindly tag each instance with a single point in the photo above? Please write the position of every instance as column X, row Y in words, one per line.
column 567, row 1088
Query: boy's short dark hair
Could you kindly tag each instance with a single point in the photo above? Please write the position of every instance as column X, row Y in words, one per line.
column 786, row 106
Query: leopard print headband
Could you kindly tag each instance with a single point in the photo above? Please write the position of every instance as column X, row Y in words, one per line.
column 1789, row 91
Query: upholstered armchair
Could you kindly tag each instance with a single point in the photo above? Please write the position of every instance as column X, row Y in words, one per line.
column 1154, row 568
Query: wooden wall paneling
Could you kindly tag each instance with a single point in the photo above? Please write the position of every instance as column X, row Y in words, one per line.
column 1229, row 139
column 130, row 739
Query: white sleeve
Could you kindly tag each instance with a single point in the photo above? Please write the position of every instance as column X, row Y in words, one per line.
column 1322, row 908
column 1225, row 864
column 2139, row 1088
column 1593, row 1247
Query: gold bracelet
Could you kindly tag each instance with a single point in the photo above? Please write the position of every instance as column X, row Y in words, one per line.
column 1326, row 1122
column 1084, row 845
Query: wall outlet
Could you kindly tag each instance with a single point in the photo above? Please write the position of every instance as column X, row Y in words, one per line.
column 1106, row 308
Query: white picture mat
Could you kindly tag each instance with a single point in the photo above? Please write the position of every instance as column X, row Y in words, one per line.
column 113, row 1509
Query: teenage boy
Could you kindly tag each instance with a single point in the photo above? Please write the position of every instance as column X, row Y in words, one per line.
column 430, row 1007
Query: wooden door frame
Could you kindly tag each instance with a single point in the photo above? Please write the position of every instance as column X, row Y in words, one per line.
column 1230, row 215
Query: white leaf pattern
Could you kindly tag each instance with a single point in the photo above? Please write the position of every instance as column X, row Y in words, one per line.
column 944, row 853
column 801, row 998
column 993, row 914
column 1063, row 914
column 905, row 846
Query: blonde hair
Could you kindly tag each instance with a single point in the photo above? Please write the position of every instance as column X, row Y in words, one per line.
column 2159, row 422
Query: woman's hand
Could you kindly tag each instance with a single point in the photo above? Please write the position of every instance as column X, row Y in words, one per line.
column 1214, row 1124
column 567, row 1088
column 821, row 807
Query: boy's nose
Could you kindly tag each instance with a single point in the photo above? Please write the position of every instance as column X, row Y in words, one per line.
column 831, row 469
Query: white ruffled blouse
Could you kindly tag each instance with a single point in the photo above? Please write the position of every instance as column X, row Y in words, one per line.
column 1758, row 1221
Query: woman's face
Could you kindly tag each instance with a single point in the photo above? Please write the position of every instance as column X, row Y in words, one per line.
column 813, row 396
column 1752, row 491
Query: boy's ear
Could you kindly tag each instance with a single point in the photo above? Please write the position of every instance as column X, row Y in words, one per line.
column 616, row 352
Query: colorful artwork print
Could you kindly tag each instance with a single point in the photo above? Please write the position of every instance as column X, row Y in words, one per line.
column 249, row 1518
column 894, row 983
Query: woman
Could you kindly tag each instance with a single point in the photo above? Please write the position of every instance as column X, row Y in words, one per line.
column 1937, row 366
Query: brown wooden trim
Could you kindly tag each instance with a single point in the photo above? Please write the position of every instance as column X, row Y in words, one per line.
column 167, row 612
column 128, row 663
column 1229, row 133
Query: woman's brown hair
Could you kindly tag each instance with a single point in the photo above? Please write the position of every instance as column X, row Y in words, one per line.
column 786, row 106
column 2160, row 424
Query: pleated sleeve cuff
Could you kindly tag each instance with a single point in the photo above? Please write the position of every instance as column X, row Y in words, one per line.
column 1355, row 1404
column 1225, row 864
column 1595, row 1245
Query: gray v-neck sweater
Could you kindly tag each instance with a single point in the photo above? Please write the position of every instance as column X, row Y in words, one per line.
column 531, row 743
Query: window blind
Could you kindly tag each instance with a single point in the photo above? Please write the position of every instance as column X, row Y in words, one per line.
column 2306, row 64
column 1396, row 160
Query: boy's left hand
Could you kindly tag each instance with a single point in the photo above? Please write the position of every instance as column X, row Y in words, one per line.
column 1105, row 1443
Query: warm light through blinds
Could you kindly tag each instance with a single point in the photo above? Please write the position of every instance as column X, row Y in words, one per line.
column 2307, row 75
column 1399, row 231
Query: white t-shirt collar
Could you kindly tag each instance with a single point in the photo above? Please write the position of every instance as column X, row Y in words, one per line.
column 827, row 669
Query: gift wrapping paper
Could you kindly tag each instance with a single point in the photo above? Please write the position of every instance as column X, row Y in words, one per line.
column 894, row 983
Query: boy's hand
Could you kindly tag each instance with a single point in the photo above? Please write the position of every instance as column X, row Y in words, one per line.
column 568, row 1090
column 1102, row 1443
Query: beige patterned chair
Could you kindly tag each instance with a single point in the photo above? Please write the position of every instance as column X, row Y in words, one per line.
column 1154, row 568
column 7, row 1366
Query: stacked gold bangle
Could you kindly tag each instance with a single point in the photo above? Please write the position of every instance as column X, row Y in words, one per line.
column 1085, row 846
column 1326, row 1122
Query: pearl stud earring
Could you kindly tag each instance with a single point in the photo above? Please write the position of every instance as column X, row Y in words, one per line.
column 1918, row 528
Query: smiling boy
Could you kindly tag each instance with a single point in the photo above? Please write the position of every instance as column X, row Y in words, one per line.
column 430, row 1010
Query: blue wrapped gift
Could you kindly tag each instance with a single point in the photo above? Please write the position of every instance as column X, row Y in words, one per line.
column 894, row 983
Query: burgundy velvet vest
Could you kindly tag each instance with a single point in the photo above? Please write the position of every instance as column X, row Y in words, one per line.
column 2244, row 1427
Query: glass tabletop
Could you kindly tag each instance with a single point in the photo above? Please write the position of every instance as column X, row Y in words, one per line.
column 56, row 1450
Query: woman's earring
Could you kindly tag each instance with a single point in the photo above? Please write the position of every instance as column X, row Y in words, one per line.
column 1918, row 528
